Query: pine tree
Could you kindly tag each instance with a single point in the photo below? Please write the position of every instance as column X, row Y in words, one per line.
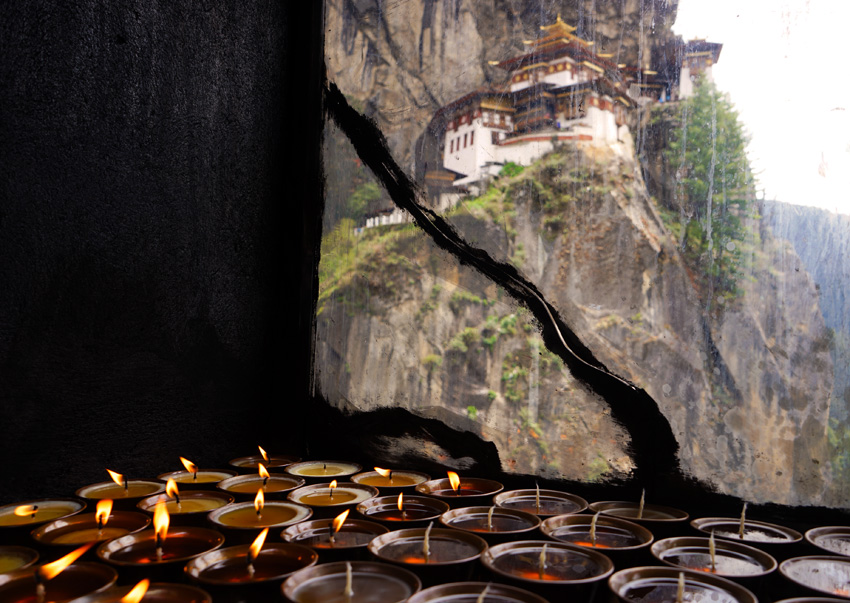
column 714, row 187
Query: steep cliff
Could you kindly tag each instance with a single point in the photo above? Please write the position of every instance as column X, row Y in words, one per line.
column 403, row 60
column 746, row 390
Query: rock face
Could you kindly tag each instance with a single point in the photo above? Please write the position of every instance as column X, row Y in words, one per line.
column 822, row 241
column 746, row 390
column 746, row 387
column 403, row 60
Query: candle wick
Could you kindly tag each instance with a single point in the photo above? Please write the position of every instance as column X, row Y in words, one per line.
column 265, row 481
column 126, row 485
column 39, row 586
column 158, row 547
column 251, row 569
column 349, row 590
column 34, row 509
column 194, row 476
column 391, row 477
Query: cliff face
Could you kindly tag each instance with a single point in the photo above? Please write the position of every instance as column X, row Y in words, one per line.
column 744, row 381
column 403, row 60
column 746, row 390
column 822, row 241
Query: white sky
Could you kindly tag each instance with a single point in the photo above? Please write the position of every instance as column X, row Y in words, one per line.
column 784, row 64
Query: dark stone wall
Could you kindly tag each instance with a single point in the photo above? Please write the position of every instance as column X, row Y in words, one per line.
column 152, row 245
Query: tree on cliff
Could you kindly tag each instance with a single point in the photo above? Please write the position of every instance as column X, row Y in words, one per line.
column 713, row 190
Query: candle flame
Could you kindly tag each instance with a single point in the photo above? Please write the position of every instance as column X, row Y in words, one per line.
column 383, row 472
column 161, row 520
column 24, row 510
column 138, row 592
column 53, row 569
column 339, row 520
column 190, row 466
column 171, row 489
column 332, row 485
column 259, row 501
column 254, row 549
column 264, row 473
column 116, row 477
column 454, row 480
column 401, row 502
column 264, row 453
column 104, row 508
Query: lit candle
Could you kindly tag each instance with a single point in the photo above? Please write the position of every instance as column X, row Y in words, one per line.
column 230, row 571
column 387, row 480
column 458, row 492
column 335, row 539
column 48, row 571
column 32, row 513
column 250, row 464
column 162, row 547
column 328, row 500
column 188, row 507
column 198, row 478
column 90, row 527
column 243, row 521
column 155, row 593
column 126, row 493
column 273, row 485
column 411, row 511
column 191, row 467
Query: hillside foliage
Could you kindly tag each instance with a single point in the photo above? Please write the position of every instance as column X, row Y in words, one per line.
column 713, row 187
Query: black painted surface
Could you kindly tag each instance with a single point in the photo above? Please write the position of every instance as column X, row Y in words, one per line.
column 146, row 272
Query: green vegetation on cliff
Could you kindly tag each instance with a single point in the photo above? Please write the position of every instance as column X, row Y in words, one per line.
column 709, row 186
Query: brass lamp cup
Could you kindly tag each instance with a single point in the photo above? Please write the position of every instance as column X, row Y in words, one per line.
column 158, row 592
column 473, row 491
column 420, row 511
column 812, row 600
column 244, row 487
column 350, row 541
column 661, row 520
column 18, row 558
column 207, row 478
column 76, row 580
column 240, row 533
column 624, row 542
column 59, row 507
column 145, row 487
column 304, row 495
column 748, row 566
column 412, row 479
column 552, row 502
column 498, row 560
column 830, row 540
column 715, row 588
column 251, row 463
column 454, row 553
column 134, row 554
column 304, row 470
column 187, row 518
column 47, row 535
column 221, row 571
column 816, row 576
column 508, row 524
column 783, row 542
column 469, row 591
column 385, row 583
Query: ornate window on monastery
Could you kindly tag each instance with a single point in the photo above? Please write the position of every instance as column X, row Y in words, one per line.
column 664, row 261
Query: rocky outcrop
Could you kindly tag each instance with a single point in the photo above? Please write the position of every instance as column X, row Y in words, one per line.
column 403, row 60
column 746, row 390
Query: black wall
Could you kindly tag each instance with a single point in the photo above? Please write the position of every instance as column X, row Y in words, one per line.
column 156, row 236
